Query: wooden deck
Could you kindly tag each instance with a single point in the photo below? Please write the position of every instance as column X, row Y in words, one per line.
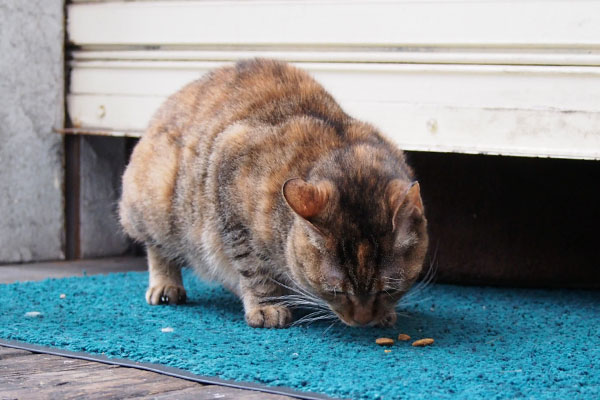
column 26, row 375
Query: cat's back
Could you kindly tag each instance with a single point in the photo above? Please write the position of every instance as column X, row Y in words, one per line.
column 254, row 91
column 168, row 166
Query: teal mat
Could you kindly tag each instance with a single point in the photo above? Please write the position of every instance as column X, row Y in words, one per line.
column 492, row 343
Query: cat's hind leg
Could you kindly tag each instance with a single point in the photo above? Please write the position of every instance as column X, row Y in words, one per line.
column 166, row 284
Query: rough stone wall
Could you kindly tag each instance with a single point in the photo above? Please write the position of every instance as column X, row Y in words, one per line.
column 31, row 155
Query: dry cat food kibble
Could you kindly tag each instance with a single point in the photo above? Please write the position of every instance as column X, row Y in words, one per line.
column 403, row 337
column 387, row 351
column 383, row 341
column 422, row 342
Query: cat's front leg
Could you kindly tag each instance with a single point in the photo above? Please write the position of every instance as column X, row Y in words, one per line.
column 261, row 307
column 166, row 285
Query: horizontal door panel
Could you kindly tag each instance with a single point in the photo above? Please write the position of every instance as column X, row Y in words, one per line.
column 348, row 23
column 414, row 127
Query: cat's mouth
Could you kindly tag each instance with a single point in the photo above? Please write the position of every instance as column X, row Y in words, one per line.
column 345, row 320
column 380, row 318
column 351, row 322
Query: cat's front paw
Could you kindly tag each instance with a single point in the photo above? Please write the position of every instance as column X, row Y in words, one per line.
column 165, row 294
column 268, row 316
column 388, row 320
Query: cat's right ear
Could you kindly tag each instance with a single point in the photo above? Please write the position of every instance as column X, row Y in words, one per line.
column 306, row 199
column 404, row 199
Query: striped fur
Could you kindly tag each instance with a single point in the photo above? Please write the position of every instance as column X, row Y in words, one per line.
column 255, row 177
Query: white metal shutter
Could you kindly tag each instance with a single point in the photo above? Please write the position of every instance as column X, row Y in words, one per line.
column 472, row 76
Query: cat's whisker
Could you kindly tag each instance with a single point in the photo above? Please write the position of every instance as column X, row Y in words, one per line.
column 300, row 301
column 296, row 289
column 393, row 279
column 412, row 297
column 295, row 303
column 307, row 302
column 306, row 307
column 304, row 291
column 303, row 298
column 404, row 315
column 312, row 314
column 290, row 297
column 330, row 326
column 433, row 265
column 418, row 289
column 415, row 293
column 411, row 303
column 423, row 285
column 312, row 317
column 321, row 318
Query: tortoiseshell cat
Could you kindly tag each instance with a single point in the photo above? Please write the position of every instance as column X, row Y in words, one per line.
column 255, row 177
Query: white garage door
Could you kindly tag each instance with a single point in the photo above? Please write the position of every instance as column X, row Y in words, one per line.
column 471, row 76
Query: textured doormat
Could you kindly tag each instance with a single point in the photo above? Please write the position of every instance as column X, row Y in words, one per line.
column 493, row 343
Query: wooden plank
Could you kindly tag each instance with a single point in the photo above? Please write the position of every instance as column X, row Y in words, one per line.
column 211, row 392
column 95, row 384
column 187, row 394
column 41, row 363
column 216, row 392
column 7, row 352
column 402, row 23
column 54, row 377
column 58, row 377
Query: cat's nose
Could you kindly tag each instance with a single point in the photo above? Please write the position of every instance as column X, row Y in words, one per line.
column 362, row 315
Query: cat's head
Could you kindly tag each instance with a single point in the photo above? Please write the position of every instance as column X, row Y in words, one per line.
column 358, row 246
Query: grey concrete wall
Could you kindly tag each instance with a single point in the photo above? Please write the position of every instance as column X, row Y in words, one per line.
column 31, row 155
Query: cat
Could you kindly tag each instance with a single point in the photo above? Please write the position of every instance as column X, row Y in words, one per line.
column 254, row 176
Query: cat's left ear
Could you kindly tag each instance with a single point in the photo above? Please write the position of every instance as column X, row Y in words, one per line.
column 308, row 200
column 404, row 199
